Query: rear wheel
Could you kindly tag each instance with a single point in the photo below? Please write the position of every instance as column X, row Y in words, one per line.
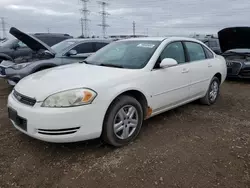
column 123, row 121
column 212, row 92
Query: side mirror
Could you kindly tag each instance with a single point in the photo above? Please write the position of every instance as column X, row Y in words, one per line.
column 87, row 54
column 72, row 52
column 168, row 62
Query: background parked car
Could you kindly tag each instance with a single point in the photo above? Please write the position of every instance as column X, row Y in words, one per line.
column 15, row 47
column 235, row 45
column 212, row 43
column 65, row 52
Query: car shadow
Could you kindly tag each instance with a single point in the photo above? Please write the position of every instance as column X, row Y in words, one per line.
column 238, row 80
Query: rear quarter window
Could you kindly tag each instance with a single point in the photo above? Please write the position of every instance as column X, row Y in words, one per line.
column 209, row 54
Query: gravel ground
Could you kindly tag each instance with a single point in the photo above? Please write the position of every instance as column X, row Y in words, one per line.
column 192, row 146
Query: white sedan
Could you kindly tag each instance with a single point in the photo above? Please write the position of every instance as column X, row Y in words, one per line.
column 113, row 91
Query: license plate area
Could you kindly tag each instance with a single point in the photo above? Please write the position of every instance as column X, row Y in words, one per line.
column 19, row 121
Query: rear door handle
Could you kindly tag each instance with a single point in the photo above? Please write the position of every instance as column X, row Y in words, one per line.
column 185, row 70
column 209, row 65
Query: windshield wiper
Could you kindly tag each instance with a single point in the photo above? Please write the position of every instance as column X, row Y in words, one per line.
column 111, row 65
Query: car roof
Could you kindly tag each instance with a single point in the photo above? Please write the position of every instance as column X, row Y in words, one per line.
column 88, row 40
column 145, row 38
column 51, row 34
column 161, row 39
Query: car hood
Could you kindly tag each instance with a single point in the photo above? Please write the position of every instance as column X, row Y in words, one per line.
column 45, row 83
column 234, row 38
column 31, row 41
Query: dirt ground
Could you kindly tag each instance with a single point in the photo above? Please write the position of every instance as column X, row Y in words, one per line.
column 192, row 146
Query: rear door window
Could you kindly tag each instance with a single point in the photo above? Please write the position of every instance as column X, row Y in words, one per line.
column 195, row 51
column 209, row 54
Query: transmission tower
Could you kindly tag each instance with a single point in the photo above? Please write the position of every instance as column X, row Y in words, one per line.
column 84, row 20
column 3, row 28
column 104, row 15
column 134, row 28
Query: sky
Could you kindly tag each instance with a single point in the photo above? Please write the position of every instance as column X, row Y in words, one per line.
column 152, row 17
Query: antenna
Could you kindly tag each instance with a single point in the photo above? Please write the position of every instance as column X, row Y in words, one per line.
column 104, row 15
column 84, row 20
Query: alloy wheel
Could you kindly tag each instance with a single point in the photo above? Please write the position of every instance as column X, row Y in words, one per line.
column 125, row 122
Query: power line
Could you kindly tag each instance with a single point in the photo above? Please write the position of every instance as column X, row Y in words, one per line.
column 84, row 20
column 104, row 15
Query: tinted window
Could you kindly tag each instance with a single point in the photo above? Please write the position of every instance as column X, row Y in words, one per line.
column 59, row 47
column 175, row 51
column 99, row 45
column 50, row 40
column 209, row 54
column 84, row 48
column 195, row 51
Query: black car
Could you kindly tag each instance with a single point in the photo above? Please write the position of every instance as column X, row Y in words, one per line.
column 15, row 48
column 235, row 47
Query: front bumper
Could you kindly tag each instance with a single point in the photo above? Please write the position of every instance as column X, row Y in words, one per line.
column 11, row 75
column 59, row 125
column 238, row 70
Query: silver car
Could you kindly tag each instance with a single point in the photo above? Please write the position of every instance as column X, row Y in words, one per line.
column 65, row 52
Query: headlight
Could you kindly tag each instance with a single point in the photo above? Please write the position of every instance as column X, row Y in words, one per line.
column 247, row 63
column 70, row 98
column 20, row 66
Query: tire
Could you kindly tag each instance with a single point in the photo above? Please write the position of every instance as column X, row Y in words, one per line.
column 210, row 99
column 126, row 128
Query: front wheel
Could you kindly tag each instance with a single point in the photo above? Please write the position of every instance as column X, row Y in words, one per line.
column 212, row 92
column 123, row 121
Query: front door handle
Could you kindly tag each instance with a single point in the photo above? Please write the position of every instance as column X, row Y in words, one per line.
column 209, row 65
column 185, row 70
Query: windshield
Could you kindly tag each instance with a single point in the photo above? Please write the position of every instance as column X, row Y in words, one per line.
column 62, row 45
column 9, row 43
column 125, row 54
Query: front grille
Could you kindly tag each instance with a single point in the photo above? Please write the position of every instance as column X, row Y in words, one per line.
column 58, row 131
column 234, row 67
column 24, row 99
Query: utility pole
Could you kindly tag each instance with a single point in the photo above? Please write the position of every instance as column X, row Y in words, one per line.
column 104, row 15
column 81, row 21
column 134, row 28
column 3, row 28
column 84, row 19
column 48, row 30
